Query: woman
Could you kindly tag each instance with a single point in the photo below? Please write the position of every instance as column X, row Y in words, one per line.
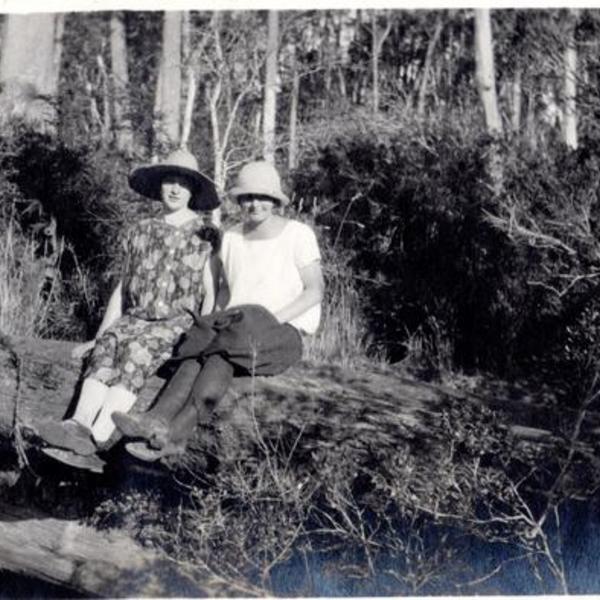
column 270, row 285
column 166, row 275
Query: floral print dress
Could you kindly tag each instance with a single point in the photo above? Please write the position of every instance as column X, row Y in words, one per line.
column 161, row 281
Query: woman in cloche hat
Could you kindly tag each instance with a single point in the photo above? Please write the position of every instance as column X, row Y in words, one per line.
column 270, row 287
column 166, row 273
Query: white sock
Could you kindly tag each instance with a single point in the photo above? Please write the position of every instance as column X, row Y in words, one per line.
column 91, row 399
column 117, row 399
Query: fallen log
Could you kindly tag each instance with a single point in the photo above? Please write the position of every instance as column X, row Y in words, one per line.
column 39, row 380
column 106, row 564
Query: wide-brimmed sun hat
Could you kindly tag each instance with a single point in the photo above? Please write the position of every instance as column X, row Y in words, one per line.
column 259, row 178
column 147, row 179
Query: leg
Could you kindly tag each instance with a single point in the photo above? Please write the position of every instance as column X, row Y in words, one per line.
column 118, row 399
column 208, row 388
column 169, row 403
column 92, row 397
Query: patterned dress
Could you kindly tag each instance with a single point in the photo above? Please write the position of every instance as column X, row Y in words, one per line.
column 162, row 279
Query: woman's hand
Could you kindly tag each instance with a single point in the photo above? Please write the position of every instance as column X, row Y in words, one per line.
column 82, row 349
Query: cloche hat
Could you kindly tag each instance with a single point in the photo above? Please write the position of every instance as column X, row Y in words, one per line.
column 147, row 179
column 260, row 178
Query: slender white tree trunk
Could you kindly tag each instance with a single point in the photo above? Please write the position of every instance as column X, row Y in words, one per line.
column 486, row 77
column 59, row 29
column 168, row 91
column 517, row 100
column 120, row 83
column 570, row 89
column 427, row 66
column 190, row 96
column 377, row 41
column 270, row 96
column 293, row 145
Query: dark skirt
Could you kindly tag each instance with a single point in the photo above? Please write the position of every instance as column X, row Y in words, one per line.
column 247, row 336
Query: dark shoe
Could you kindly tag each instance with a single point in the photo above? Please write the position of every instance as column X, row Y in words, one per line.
column 143, row 451
column 89, row 462
column 139, row 425
column 68, row 434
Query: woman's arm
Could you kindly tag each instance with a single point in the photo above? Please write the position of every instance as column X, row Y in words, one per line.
column 222, row 296
column 312, row 294
column 113, row 312
column 210, row 276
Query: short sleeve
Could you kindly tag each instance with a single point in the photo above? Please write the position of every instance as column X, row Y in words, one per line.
column 306, row 248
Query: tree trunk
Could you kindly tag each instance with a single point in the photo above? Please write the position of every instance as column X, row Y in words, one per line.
column 96, row 563
column 486, row 78
column 39, row 380
column 427, row 66
column 270, row 96
column 530, row 120
column 120, row 84
column 59, row 29
column 30, row 66
column 375, row 62
column 517, row 100
column 570, row 90
column 168, row 91
column 376, row 46
column 341, row 45
column 293, row 145
column 190, row 97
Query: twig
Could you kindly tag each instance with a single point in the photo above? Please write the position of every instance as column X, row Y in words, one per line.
column 16, row 431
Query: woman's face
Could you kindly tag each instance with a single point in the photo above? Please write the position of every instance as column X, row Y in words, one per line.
column 175, row 192
column 256, row 209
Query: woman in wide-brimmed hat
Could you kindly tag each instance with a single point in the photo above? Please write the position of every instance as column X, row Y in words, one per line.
column 271, row 288
column 166, row 273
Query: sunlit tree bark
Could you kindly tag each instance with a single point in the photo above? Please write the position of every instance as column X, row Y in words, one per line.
column 570, row 86
column 377, row 40
column 120, row 83
column 29, row 67
column 517, row 100
column 486, row 81
column 270, row 95
column 427, row 66
column 486, row 77
column 167, row 106
column 293, row 143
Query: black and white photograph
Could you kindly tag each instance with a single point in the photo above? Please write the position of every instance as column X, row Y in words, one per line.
column 299, row 301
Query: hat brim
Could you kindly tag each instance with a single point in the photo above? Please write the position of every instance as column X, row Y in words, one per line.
column 148, row 179
column 241, row 191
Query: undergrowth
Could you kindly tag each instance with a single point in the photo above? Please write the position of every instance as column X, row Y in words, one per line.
column 293, row 515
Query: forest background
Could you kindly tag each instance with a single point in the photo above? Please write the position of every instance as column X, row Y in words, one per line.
column 448, row 159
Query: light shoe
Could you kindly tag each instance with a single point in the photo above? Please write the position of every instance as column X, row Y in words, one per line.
column 89, row 462
column 69, row 434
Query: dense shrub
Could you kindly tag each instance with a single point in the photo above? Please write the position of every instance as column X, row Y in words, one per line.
column 70, row 203
column 438, row 258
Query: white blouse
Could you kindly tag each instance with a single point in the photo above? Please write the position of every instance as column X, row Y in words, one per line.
column 267, row 272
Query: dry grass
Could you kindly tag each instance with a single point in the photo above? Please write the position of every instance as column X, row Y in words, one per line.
column 342, row 338
column 29, row 283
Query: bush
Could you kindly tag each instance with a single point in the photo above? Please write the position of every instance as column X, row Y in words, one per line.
column 436, row 256
column 68, row 205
